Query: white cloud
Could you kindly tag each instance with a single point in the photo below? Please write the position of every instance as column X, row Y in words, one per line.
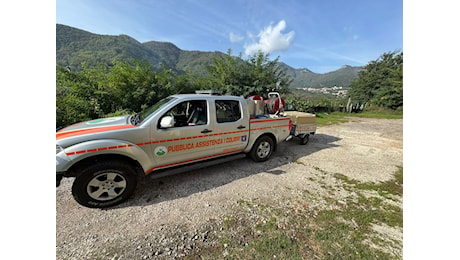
column 235, row 37
column 271, row 39
column 350, row 33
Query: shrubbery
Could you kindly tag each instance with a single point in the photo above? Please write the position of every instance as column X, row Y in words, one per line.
column 122, row 88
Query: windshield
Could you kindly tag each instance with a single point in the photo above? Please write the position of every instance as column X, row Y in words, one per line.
column 147, row 113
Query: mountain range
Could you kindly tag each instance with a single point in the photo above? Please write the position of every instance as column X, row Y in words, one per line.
column 75, row 46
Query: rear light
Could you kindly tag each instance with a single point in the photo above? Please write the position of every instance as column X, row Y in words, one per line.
column 290, row 124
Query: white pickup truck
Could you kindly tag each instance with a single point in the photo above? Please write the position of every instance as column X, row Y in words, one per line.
column 179, row 133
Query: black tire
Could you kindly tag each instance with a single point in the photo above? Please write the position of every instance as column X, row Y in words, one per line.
column 262, row 149
column 104, row 184
column 304, row 140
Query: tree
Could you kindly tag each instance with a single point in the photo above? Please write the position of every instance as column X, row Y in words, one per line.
column 74, row 98
column 101, row 91
column 267, row 75
column 253, row 76
column 132, row 87
column 380, row 83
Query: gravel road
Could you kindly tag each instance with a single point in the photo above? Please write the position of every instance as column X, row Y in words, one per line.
column 175, row 216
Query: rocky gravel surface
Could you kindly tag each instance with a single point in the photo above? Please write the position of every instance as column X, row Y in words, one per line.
column 178, row 216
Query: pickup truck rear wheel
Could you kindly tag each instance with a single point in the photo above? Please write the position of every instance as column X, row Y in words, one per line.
column 262, row 149
column 104, row 184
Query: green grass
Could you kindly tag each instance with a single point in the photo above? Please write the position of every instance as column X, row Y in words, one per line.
column 341, row 117
column 294, row 230
column 376, row 114
column 394, row 186
column 332, row 118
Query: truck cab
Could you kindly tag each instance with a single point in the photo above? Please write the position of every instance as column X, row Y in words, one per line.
column 196, row 128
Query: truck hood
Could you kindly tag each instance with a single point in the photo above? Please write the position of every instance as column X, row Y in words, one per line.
column 94, row 126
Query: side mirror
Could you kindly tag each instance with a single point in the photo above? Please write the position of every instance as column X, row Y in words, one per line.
column 167, row 122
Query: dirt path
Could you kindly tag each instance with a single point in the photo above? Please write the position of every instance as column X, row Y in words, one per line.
column 169, row 216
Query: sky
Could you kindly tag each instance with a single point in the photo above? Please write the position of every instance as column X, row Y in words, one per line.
column 320, row 35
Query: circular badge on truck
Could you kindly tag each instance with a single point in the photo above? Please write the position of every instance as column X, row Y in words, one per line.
column 160, row 150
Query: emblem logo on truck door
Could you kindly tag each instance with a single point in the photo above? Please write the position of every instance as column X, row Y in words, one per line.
column 160, row 150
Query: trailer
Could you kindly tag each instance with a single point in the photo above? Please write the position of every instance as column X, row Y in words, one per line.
column 303, row 125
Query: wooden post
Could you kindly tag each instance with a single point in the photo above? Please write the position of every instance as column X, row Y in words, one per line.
column 349, row 105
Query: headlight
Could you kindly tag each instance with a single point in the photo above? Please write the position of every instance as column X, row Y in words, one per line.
column 59, row 149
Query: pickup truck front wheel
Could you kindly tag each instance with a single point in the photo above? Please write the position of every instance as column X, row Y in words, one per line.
column 262, row 149
column 104, row 184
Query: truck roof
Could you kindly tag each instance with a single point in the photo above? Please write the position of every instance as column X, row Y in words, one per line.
column 205, row 96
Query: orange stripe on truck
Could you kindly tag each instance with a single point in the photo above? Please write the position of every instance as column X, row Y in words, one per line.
column 60, row 135
column 99, row 149
column 268, row 120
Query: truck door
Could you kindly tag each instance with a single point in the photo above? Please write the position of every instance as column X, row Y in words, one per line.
column 189, row 140
column 233, row 125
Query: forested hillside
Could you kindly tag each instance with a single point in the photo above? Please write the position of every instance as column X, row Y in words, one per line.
column 75, row 47
column 304, row 78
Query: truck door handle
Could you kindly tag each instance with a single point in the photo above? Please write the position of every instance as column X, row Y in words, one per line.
column 241, row 127
column 206, row 131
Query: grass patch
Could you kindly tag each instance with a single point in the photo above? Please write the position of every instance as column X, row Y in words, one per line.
column 293, row 230
column 331, row 119
column 341, row 117
column 230, row 222
column 393, row 186
column 379, row 115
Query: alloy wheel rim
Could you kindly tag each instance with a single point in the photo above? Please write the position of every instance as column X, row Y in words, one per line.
column 263, row 150
column 106, row 186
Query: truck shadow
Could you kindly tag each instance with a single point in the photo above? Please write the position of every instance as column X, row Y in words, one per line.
column 157, row 190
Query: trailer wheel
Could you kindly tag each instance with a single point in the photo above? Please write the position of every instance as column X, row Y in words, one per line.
column 262, row 149
column 304, row 140
column 104, row 184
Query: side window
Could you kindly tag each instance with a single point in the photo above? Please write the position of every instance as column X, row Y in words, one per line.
column 227, row 111
column 189, row 113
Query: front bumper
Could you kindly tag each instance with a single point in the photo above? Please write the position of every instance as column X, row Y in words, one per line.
column 59, row 176
column 62, row 165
